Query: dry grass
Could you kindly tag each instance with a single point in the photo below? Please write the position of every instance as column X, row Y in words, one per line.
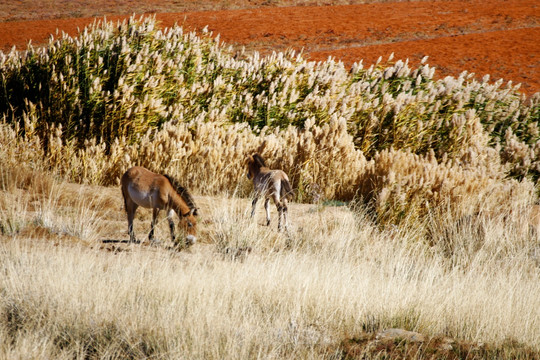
column 336, row 274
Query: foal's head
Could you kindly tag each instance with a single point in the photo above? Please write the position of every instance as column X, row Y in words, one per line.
column 255, row 162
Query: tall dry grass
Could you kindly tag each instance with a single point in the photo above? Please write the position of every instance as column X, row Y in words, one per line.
column 336, row 275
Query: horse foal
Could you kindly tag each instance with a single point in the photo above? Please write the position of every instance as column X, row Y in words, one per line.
column 141, row 187
column 269, row 184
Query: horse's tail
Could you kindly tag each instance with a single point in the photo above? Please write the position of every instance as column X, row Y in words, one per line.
column 125, row 200
column 286, row 189
column 124, row 190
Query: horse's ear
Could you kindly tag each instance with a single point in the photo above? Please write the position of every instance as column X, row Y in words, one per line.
column 259, row 160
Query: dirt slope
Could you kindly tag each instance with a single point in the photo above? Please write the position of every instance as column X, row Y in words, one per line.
column 493, row 37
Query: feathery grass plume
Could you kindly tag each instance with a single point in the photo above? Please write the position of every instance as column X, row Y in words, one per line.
column 404, row 186
column 115, row 81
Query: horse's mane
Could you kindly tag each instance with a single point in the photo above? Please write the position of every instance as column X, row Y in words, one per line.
column 182, row 191
column 259, row 160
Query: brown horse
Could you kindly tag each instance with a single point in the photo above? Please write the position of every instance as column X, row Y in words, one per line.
column 269, row 184
column 141, row 187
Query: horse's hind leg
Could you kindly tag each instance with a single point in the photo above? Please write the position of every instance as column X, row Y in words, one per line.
column 131, row 207
column 285, row 211
column 280, row 215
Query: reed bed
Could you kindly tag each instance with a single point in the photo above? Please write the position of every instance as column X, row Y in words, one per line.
column 116, row 86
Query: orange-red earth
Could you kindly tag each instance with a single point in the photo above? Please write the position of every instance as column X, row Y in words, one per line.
column 496, row 37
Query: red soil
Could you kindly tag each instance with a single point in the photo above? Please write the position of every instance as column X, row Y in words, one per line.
column 496, row 37
column 477, row 53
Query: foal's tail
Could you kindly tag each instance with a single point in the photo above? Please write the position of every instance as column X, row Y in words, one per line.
column 286, row 190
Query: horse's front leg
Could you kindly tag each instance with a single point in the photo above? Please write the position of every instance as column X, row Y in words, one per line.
column 155, row 213
column 132, row 238
column 170, row 217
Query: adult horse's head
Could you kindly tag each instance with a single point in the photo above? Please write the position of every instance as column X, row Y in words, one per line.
column 187, row 211
column 188, row 226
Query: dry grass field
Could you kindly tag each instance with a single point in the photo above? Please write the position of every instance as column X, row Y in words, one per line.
column 415, row 225
column 73, row 288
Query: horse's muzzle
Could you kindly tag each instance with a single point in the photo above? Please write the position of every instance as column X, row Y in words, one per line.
column 190, row 240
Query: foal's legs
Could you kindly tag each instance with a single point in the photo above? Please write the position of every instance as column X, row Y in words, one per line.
column 277, row 202
column 285, row 212
column 267, row 208
column 282, row 212
column 253, row 204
